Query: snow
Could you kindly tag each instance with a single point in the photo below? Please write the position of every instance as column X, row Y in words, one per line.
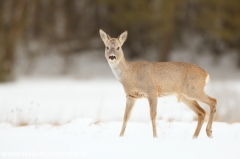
column 70, row 118
column 86, row 138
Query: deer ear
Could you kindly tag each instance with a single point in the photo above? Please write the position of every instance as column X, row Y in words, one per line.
column 105, row 37
column 123, row 37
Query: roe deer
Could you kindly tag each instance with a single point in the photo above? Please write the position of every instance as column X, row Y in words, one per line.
column 156, row 79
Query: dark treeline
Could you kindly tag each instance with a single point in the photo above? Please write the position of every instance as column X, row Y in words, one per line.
column 71, row 26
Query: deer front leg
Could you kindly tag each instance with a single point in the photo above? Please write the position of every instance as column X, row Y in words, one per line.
column 129, row 105
column 153, row 112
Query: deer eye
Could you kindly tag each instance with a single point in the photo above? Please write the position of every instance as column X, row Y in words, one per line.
column 117, row 48
column 107, row 48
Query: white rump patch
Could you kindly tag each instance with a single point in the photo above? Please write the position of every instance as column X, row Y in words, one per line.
column 207, row 79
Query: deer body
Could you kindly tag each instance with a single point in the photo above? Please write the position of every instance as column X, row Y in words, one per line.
column 156, row 79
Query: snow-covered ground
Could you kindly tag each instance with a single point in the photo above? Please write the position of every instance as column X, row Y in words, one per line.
column 87, row 138
column 71, row 118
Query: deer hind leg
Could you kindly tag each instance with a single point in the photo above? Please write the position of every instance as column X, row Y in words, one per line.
column 202, row 97
column 193, row 105
column 153, row 113
column 129, row 105
column 212, row 102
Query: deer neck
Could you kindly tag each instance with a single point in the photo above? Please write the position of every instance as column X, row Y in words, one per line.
column 120, row 68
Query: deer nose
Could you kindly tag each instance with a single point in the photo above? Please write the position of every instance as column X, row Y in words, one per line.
column 112, row 57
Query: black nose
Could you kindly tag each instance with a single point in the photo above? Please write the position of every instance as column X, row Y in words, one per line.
column 112, row 57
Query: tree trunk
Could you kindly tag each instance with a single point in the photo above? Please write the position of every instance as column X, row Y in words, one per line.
column 10, row 30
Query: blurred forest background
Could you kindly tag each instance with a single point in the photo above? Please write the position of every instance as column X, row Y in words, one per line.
column 32, row 29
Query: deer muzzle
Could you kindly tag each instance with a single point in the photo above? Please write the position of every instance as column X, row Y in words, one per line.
column 112, row 57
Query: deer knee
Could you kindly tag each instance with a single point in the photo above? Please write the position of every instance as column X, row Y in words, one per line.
column 213, row 104
column 153, row 115
column 201, row 115
column 214, row 109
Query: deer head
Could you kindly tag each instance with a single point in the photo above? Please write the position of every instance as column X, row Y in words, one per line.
column 113, row 50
